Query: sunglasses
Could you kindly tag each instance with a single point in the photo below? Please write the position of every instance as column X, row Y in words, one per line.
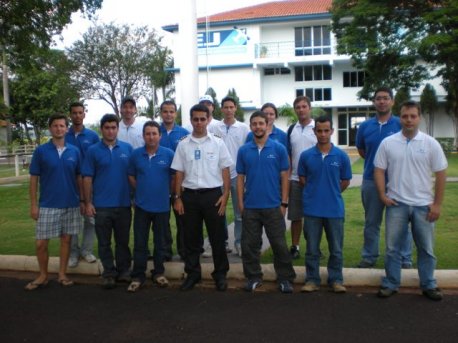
column 197, row 119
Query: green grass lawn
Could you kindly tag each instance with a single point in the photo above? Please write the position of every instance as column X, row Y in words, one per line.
column 17, row 234
column 8, row 170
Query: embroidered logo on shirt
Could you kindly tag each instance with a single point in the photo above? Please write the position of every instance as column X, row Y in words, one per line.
column 271, row 156
column 335, row 164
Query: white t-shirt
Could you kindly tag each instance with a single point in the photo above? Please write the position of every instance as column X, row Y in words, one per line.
column 302, row 138
column 132, row 134
column 409, row 166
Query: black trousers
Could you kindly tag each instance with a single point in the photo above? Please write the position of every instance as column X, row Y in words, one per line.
column 168, row 238
column 199, row 207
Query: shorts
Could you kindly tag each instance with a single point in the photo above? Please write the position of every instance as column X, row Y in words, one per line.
column 55, row 222
column 295, row 208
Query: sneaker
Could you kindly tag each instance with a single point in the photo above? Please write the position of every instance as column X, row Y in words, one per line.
column 208, row 252
column 294, row 251
column 285, row 287
column 89, row 258
column 433, row 294
column 228, row 250
column 124, row 278
column 252, row 284
column 238, row 249
column 365, row 264
column 338, row 288
column 385, row 292
column 406, row 265
column 310, row 287
column 108, row 283
column 73, row 262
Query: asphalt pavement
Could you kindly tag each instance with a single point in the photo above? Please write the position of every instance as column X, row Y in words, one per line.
column 87, row 313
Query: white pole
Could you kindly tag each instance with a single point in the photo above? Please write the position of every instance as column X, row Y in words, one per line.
column 16, row 165
column 188, row 56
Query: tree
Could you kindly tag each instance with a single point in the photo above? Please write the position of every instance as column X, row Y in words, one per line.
column 217, row 114
column 239, row 115
column 428, row 102
column 113, row 62
column 388, row 38
column 401, row 95
column 41, row 89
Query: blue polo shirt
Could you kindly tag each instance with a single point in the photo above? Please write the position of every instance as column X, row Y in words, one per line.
column 83, row 140
column 276, row 134
column 108, row 169
column 58, row 186
column 153, row 176
column 170, row 140
column 369, row 136
column 321, row 196
column 262, row 173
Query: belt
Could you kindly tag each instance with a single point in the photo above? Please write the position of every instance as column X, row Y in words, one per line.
column 201, row 190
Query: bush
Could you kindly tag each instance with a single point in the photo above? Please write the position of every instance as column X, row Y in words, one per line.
column 446, row 144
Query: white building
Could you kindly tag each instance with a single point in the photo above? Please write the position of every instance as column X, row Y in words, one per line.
column 276, row 51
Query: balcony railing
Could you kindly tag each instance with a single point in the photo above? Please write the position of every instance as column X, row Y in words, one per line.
column 288, row 49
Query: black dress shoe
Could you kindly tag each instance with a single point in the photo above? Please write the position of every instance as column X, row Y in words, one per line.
column 189, row 283
column 221, row 284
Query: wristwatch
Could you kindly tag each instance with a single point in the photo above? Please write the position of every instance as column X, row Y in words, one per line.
column 176, row 196
column 284, row 204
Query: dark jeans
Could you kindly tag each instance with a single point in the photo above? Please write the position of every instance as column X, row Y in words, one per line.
column 142, row 225
column 200, row 207
column 274, row 223
column 168, row 239
column 114, row 220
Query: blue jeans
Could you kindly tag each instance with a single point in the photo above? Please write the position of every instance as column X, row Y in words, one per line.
column 373, row 212
column 334, row 230
column 237, row 215
column 142, row 224
column 87, row 243
column 116, row 221
column 397, row 218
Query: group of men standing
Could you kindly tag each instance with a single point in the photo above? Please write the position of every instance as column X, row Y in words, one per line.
column 266, row 171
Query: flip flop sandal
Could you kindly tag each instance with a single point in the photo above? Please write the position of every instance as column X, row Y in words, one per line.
column 161, row 281
column 134, row 286
column 32, row 286
column 65, row 282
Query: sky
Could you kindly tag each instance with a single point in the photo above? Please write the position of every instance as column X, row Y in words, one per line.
column 151, row 13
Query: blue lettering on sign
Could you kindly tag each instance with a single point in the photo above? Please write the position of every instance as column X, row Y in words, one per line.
column 215, row 39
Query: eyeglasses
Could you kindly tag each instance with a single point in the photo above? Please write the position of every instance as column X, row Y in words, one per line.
column 380, row 98
column 197, row 119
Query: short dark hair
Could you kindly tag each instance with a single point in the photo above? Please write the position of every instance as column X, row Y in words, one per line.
column 228, row 98
column 108, row 118
column 323, row 119
column 411, row 104
column 260, row 114
column 168, row 102
column 385, row 90
column 57, row 116
column 151, row 123
column 302, row 98
column 129, row 99
column 272, row 106
column 199, row 108
column 76, row 104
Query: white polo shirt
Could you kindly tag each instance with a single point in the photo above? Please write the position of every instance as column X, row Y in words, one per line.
column 234, row 136
column 201, row 160
column 132, row 134
column 302, row 138
column 409, row 166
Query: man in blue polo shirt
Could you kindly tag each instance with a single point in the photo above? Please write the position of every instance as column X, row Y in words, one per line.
column 325, row 172
column 151, row 177
column 262, row 190
column 82, row 138
column 171, row 134
column 56, row 166
column 107, row 197
column 370, row 134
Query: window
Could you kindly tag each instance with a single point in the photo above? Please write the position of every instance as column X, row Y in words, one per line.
column 276, row 71
column 313, row 73
column 353, row 78
column 316, row 94
column 312, row 40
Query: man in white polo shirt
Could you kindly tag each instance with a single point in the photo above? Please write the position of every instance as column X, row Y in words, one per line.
column 408, row 158
column 130, row 127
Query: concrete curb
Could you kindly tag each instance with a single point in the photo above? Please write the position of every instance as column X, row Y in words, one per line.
column 175, row 271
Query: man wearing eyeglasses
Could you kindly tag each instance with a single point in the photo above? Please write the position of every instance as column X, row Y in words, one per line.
column 370, row 134
column 202, row 164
